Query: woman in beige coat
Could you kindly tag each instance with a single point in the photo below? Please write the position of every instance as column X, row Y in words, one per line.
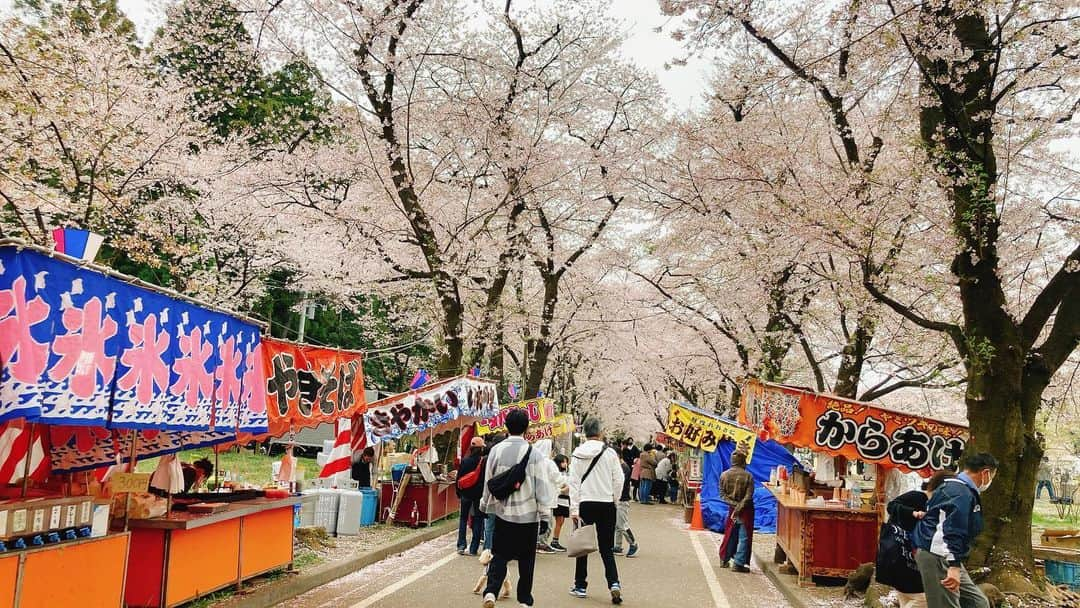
column 649, row 460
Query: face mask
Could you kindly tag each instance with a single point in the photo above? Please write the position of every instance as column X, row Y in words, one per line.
column 989, row 480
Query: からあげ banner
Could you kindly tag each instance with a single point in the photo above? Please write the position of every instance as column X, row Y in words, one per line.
column 306, row 385
column 462, row 399
column 855, row 430
column 539, row 410
column 81, row 347
column 700, row 430
column 559, row 426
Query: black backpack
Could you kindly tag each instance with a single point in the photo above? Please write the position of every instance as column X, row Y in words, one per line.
column 509, row 481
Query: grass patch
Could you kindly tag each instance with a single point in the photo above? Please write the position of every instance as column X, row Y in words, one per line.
column 207, row 601
column 307, row 559
column 254, row 468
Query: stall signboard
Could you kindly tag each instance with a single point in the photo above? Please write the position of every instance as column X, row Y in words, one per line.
column 82, row 448
column 540, row 411
column 129, row 482
column 462, row 399
column 855, row 430
column 700, row 430
column 81, row 347
column 307, row 386
column 561, row 425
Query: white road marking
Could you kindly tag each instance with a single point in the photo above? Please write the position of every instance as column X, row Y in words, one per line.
column 719, row 599
column 408, row 580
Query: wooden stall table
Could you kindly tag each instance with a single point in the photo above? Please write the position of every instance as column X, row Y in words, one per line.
column 422, row 504
column 183, row 556
column 60, row 574
column 824, row 541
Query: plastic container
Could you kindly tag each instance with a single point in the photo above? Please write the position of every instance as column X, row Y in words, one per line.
column 398, row 471
column 1063, row 573
column 350, row 508
column 370, row 507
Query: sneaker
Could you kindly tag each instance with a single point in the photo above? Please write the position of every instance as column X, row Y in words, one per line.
column 632, row 552
column 740, row 569
column 725, row 564
column 556, row 546
column 489, row 601
column 578, row 592
column 617, row 550
column 486, row 557
column 616, row 594
column 461, row 551
column 545, row 549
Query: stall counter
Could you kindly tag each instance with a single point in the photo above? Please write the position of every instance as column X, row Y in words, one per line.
column 57, row 575
column 824, row 541
column 422, row 504
column 182, row 556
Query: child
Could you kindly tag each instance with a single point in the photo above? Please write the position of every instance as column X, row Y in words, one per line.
column 622, row 518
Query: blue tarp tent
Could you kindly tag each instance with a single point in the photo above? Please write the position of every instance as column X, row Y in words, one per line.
column 767, row 455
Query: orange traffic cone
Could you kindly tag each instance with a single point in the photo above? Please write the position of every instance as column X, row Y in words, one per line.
column 696, row 522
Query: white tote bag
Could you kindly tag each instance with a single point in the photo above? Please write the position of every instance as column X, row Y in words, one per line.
column 582, row 541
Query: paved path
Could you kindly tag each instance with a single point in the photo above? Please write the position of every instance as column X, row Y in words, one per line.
column 674, row 568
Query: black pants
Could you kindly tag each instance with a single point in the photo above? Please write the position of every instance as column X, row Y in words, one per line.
column 603, row 515
column 660, row 490
column 513, row 542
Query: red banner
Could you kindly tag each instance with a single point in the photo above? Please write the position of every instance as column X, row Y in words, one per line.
column 306, row 385
column 853, row 429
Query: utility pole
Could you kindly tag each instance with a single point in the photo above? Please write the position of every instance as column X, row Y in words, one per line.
column 304, row 312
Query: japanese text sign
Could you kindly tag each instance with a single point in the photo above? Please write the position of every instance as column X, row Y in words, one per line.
column 539, row 411
column 859, row 431
column 559, row 426
column 80, row 347
column 461, row 399
column 306, row 386
column 699, row 430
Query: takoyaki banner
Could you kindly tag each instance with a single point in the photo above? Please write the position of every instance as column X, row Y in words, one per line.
column 81, row 347
column 459, row 400
column 307, row 386
column 853, row 429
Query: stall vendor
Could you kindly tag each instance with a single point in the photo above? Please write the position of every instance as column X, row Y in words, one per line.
column 196, row 473
column 361, row 468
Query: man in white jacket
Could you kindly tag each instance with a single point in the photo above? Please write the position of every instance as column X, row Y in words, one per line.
column 596, row 480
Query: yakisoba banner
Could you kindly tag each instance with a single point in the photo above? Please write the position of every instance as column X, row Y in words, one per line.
column 306, row 386
column 700, row 430
column 855, row 430
column 539, row 410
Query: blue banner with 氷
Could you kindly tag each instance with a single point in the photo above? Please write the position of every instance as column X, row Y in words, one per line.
column 82, row 348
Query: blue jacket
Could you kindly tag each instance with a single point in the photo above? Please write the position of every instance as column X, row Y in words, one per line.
column 953, row 520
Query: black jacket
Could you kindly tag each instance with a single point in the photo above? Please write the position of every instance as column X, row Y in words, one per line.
column 957, row 508
column 361, row 473
column 625, row 497
column 902, row 509
column 629, row 454
column 468, row 465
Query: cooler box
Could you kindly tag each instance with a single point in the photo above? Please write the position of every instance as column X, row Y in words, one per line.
column 350, row 507
column 307, row 509
column 369, row 511
column 326, row 509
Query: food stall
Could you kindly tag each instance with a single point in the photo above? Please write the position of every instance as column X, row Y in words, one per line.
column 544, row 423
column 693, row 433
column 103, row 371
column 825, row 529
column 418, row 489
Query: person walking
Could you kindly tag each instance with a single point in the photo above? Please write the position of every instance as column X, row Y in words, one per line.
column 648, row 473
column 562, row 503
column 895, row 561
column 737, row 490
column 944, row 536
column 622, row 518
column 1046, row 479
column 557, row 480
column 517, row 516
column 596, row 481
column 663, row 476
column 489, row 518
column 469, row 497
column 635, row 479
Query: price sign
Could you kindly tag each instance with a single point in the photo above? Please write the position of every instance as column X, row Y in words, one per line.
column 129, row 482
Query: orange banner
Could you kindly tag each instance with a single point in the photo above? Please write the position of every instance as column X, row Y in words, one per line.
column 306, row 385
column 853, row 429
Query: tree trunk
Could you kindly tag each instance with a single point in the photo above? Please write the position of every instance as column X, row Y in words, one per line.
column 542, row 345
column 853, row 358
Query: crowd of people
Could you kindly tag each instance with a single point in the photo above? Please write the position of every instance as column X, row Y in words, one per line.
column 594, row 486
